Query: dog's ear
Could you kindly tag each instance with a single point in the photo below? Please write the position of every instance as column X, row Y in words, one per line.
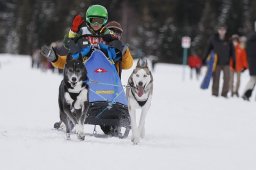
column 142, row 62
column 130, row 82
column 138, row 63
column 151, row 76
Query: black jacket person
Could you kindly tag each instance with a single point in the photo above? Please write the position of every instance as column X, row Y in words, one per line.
column 225, row 51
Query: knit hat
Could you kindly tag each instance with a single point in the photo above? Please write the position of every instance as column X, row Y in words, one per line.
column 235, row 37
column 114, row 25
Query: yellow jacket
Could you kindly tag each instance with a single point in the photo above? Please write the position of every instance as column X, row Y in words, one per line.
column 126, row 62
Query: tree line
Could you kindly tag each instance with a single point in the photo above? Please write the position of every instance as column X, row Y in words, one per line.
column 151, row 27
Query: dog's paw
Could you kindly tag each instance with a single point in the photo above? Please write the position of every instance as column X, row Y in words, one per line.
column 135, row 140
column 79, row 129
column 136, row 137
column 80, row 132
column 81, row 136
column 68, row 136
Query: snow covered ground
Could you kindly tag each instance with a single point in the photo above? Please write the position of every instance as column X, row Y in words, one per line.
column 186, row 128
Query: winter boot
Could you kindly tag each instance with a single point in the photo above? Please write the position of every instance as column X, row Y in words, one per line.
column 247, row 95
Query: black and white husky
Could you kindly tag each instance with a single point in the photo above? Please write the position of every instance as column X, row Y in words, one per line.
column 73, row 97
column 139, row 94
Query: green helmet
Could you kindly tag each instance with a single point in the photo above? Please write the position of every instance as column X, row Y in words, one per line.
column 97, row 11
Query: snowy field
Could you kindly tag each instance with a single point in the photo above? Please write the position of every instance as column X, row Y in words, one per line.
column 186, row 128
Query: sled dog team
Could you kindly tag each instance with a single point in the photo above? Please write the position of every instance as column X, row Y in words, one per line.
column 73, row 97
column 85, row 35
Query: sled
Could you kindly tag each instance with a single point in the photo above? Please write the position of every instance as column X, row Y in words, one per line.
column 108, row 102
column 210, row 68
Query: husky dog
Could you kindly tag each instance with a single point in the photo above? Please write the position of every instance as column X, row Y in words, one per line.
column 139, row 94
column 73, row 97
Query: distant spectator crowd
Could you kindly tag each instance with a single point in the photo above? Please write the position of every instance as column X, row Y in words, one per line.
column 233, row 56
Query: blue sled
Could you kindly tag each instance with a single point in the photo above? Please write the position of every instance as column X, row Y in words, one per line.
column 207, row 78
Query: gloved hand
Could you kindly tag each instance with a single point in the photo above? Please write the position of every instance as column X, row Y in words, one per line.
column 109, row 37
column 49, row 53
column 117, row 44
column 77, row 23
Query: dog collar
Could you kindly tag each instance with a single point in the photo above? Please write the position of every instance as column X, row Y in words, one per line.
column 68, row 88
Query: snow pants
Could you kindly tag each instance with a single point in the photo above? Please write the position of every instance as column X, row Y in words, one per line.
column 234, row 85
column 216, row 80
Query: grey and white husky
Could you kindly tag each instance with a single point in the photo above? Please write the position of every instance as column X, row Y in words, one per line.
column 139, row 94
column 73, row 97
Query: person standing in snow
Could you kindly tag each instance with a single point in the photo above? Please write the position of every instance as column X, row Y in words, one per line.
column 224, row 49
column 251, row 54
column 241, row 65
column 195, row 63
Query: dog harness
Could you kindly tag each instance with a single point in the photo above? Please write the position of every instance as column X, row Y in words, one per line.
column 73, row 95
column 141, row 103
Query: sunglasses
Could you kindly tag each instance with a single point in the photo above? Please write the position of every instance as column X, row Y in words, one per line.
column 98, row 21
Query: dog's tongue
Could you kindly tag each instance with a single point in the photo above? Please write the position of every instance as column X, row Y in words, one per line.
column 140, row 91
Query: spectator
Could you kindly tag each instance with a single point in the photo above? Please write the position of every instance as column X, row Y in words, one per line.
column 241, row 65
column 195, row 63
column 224, row 49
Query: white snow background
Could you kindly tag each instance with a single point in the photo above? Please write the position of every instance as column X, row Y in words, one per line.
column 186, row 128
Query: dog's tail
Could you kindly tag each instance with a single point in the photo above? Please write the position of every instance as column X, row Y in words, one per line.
column 57, row 124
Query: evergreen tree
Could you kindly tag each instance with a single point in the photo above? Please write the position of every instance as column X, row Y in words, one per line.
column 151, row 27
